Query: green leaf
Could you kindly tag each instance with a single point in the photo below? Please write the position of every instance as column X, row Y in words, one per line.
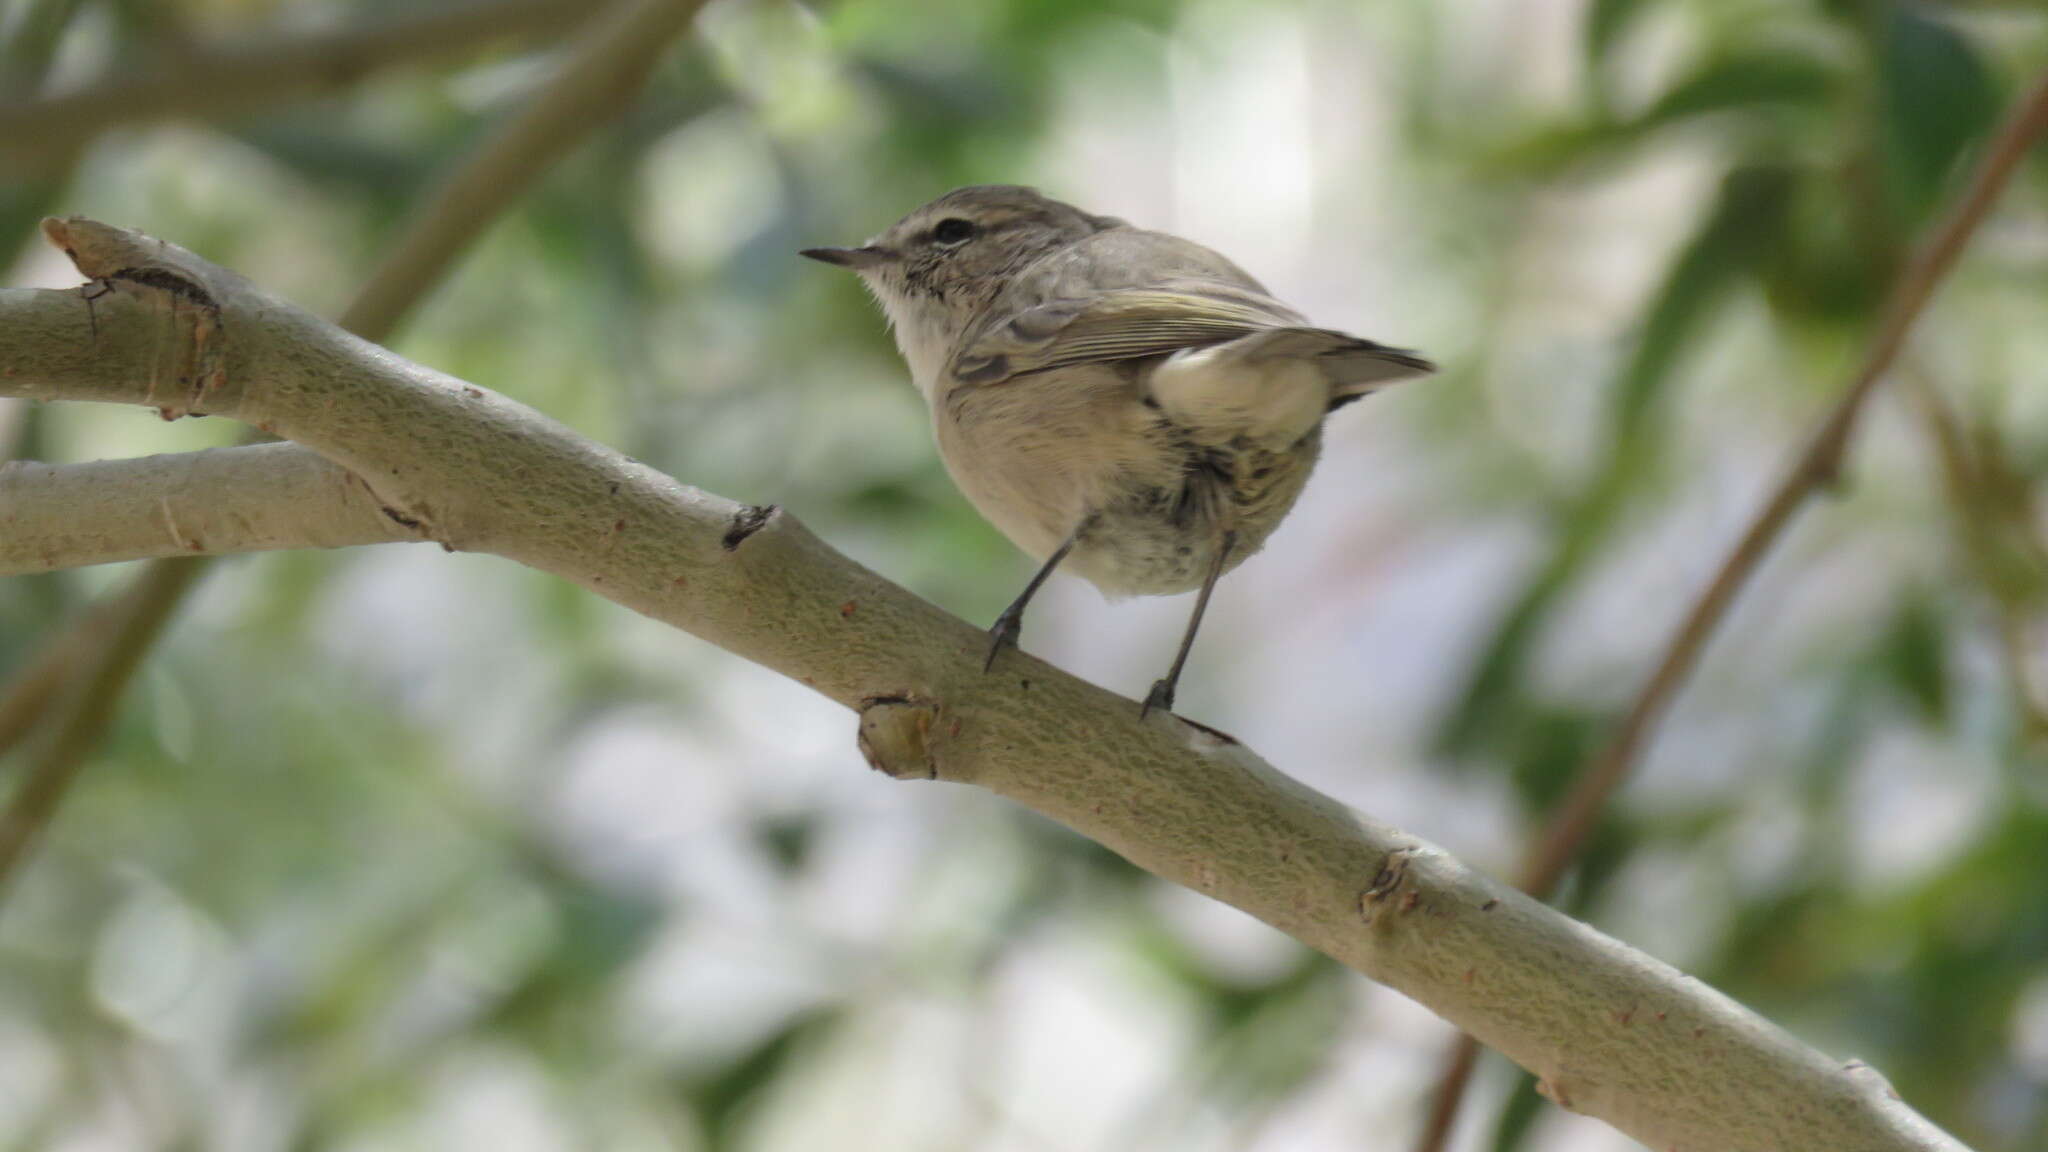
column 723, row 1100
column 1606, row 20
column 1745, row 80
column 1759, row 85
column 1914, row 656
column 1518, row 1116
column 1551, row 750
column 308, row 145
column 1746, row 224
column 31, row 44
column 1934, row 98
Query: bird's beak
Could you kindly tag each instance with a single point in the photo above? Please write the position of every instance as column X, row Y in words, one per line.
column 858, row 259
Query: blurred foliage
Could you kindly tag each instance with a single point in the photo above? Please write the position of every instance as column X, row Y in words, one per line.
column 398, row 850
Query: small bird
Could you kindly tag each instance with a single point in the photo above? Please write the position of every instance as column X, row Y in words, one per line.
column 1126, row 403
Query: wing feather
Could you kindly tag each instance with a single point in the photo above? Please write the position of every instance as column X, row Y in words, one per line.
column 1119, row 324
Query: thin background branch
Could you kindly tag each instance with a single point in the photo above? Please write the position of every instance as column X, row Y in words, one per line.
column 1818, row 464
column 107, row 667
column 218, row 80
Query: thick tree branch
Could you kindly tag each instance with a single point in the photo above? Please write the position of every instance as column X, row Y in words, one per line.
column 221, row 79
column 1610, row 1031
column 255, row 498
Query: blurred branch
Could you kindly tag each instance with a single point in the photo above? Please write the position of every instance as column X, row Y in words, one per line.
column 222, row 79
column 1610, row 1031
column 1980, row 530
column 28, row 49
column 139, row 616
column 1817, row 465
column 609, row 64
column 253, row 498
column 1451, row 1082
column 608, row 67
column 35, row 686
column 30, row 44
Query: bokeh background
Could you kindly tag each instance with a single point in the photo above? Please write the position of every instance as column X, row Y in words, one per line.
column 392, row 849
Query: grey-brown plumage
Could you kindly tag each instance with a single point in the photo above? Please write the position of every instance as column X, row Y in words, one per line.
column 1123, row 402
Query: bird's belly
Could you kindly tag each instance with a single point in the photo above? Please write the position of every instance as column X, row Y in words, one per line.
column 1163, row 541
column 1132, row 553
column 1160, row 505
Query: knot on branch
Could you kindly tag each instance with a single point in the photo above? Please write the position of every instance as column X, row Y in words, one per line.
column 1870, row 1079
column 120, row 261
column 897, row 734
column 1386, row 886
column 748, row 520
column 1553, row 1089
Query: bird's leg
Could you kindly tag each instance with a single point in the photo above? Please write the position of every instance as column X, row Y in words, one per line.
column 1003, row 634
column 1161, row 696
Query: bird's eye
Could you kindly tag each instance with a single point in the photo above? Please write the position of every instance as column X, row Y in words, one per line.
column 953, row 230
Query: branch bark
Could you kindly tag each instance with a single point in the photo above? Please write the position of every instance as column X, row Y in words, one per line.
column 226, row 78
column 254, row 498
column 1609, row 1031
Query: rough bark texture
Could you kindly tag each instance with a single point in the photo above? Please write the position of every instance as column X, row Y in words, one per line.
column 1610, row 1031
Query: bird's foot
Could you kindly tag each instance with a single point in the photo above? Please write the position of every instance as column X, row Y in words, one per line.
column 1003, row 634
column 1160, row 697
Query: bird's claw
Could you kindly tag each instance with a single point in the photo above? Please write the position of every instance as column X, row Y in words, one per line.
column 1160, row 697
column 1002, row 634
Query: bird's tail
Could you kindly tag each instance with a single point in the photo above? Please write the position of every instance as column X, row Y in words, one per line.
column 1360, row 367
column 1354, row 367
column 1273, row 385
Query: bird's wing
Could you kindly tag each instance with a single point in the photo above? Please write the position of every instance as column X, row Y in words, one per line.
column 1117, row 324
